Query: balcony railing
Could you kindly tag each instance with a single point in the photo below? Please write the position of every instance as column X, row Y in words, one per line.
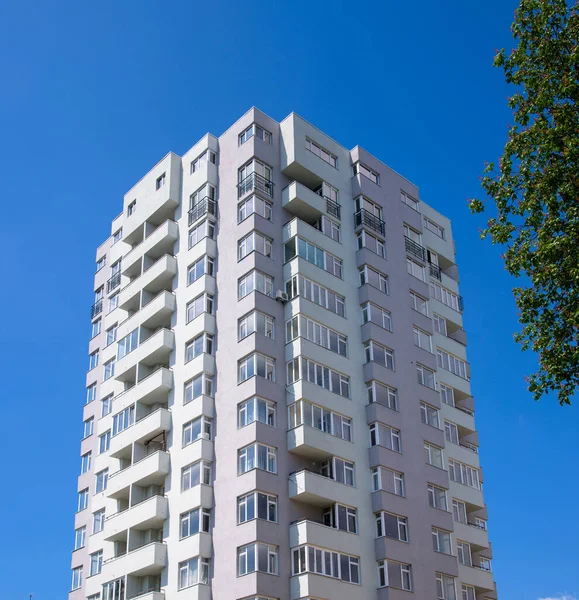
column 468, row 446
column 255, row 182
column 206, row 206
column 114, row 282
column 367, row 219
column 155, row 588
column 333, row 208
column 96, row 309
column 414, row 248
column 436, row 272
column 460, row 304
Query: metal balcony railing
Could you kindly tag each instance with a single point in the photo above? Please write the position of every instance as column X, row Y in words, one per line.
column 333, row 208
column 96, row 309
column 435, row 272
column 367, row 219
column 114, row 282
column 206, row 206
column 460, row 304
column 255, row 182
column 414, row 248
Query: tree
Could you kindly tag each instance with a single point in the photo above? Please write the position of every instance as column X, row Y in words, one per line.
column 535, row 189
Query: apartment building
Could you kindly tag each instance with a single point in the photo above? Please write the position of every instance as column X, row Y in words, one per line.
column 278, row 401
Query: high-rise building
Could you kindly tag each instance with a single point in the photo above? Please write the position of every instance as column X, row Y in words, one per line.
column 278, row 400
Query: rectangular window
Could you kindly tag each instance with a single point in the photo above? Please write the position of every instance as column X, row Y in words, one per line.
column 388, row 481
column 254, row 205
column 441, row 541
column 437, row 497
column 85, row 461
column 300, row 326
column 452, row 363
column 254, row 176
column 392, row 526
column 302, row 367
column 76, row 578
column 362, row 169
column 306, row 413
column 124, row 419
column 451, row 432
column 409, row 201
column 468, row 592
column 418, row 303
column 324, row 154
column 374, row 278
column 300, row 286
column 459, row 511
column 117, row 236
column 202, row 202
column 255, row 130
column 327, row 226
column 339, row 470
column 257, row 557
column 422, row 339
column 96, row 328
column 434, row 228
column 377, row 315
column 101, row 262
column 160, row 182
column 377, row 353
column 79, row 537
column 204, row 266
column 425, row 376
column 257, row 506
column 113, row 301
column 195, row 474
column 343, row 518
column 374, row 244
column 98, row 521
column 439, row 324
column 254, row 281
column 202, row 304
column 297, row 246
column 88, row 427
column 114, row 590
column 201, row 385
column 133, row 205
column 101, row 478
column 382, row 394
column 199, row 428
column 429, row 415
column 464, row 474
column 193, row 572
column 416, row 270
column 445, row 587
column 447, row 394
column 111, row 334
column 199, row 232
column 326, row 562
column 207, row 156
column 395, row 575
column 254, row 241
column 202, row 344
column 257, row 456
column 93, row 360
column 194, row 521
column 433, row 455
column 256, row 409
column 256, row 364
column 109, row 369
column 106, row 405
column 445, row 296
column 386, row 436
column 96, row 563
column 464, row 554
column 255, row 322
column 82, row 500
column 90, row 393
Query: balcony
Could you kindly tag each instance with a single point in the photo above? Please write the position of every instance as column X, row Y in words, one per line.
column 206, row 206
column 154, row 314
column 157, row 242
column 307, row 204
column 96, row 309
column 148, row 471
column 148, row 514
column 416, row 250
column 150, row 559
column 314, row 444
column 153, row 389
column 474, row 535
column 478, row 577
column 155, row 350
column 306, row 531
column 147, row 428
column 255, row 182
column 435, row 271
column 364, row 218
column 312, row 488
column 312, row 585
column 154, row 594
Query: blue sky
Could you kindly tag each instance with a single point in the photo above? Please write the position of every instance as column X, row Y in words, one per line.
column 92, row 94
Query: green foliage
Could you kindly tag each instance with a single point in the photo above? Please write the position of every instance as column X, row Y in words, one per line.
column 535, row 189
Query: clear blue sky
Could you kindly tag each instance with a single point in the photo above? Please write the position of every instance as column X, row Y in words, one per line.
column 92, row 94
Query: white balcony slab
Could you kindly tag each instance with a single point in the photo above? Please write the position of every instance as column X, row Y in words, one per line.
column 158, row 242
column 310, row 532
column 314, row 444
column 318, row 490
column 147, row 560
column 148, row 514
column 143, row 430
column 150, row 470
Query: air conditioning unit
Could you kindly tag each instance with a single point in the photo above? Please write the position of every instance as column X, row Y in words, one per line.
column 281, row 296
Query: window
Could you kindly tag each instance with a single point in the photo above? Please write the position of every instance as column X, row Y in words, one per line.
column 306, row 413
column 101, row 262
column 79, row 537
column 412, row 234
column 422, row 339
column 341, row 517
column 388, row 481
column 82, row 500
column 113, row 301
column 392, row 526
column 464, row 474
column 124, row 419
column 256, row 409
column 90, row 393
column 98, row 520
column 202, row 202
column 425, row 376
column 451, row 363
column 326, row 562
column 366, row 240
column 463, row 553
column 256, row 364
column 254, row 241
column 445, row 587
column 339, row 470
column 297, row 246
column 87, row 429
column 257, row 506
column 418, row 303
column 485, row 564
column 255, row 175
column 257, row 557
column 429, row 415
column 316, row 333
column 257, row 456
column 416, row 270
column 300, row 286
column 386, row 436
column 441, row 541
column 318, row 375
column 117, row 236
column 203, row 303
column 201, row 385
column 195, row 521
column 382, row 394
column 255, row 130
column 193, row 571
column 433, row 455
column 195, row 474
column 114, row 590
column 93, row 360
column 440, row 324
column 160, row 182
column 96, row 563
column 102, row 478
column 437, row 497
column 106, row 405
column 202, row 344
column 377, row 315
column 447, row 394
column 76, row 578
column 85, row 461
column 96, row 328
column 409, row 201
column 459, row 511
column 327, row 226
column 109, row 369
column 451, row 432
column 434, row 228
column 468, row 592
column 374, row 278
column 325, row 190
column 324, row 154
column 254, row 204
column 204, row 266
column 254, row 281
column 393, row 574
column 198, row 428
column 445, row 296
column 111, row 334
column 131, row 207
column 207, row 156
column 199, row 232
column 480, row 523
column 362, row 169
column 255, row 322
column 377, row 353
